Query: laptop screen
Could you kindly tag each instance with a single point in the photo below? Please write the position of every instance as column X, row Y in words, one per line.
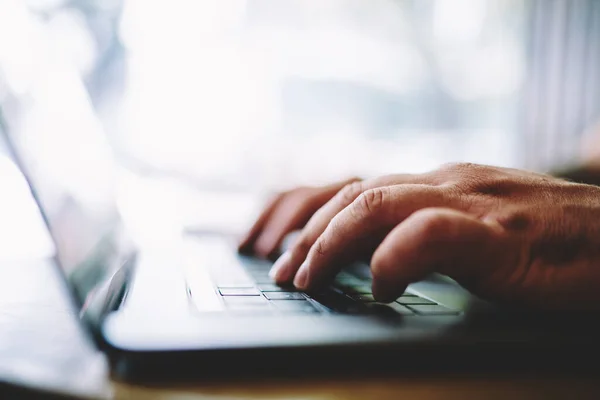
column 48, row 119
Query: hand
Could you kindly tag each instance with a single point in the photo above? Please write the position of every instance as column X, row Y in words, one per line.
column 286, row 212
column 507, row 235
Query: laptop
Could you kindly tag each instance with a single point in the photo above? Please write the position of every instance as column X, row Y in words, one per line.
column 192, row 307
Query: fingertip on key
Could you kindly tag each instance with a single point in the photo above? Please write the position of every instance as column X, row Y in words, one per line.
column 301, row 279
column 383, row 293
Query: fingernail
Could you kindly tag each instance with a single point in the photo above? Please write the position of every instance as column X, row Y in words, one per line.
column 280, row 264
column 301, row 276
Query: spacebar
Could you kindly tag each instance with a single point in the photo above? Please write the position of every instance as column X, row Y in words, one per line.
column 202, row 293
column 200, row 288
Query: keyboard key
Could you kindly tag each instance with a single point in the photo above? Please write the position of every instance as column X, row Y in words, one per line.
column 363, row 297
column 432, row 309
column 301, row 306
column 271, row 287
column 284, row 296
column 245, row 301
column 410, row 300
column 400, row 309
column 242, row 291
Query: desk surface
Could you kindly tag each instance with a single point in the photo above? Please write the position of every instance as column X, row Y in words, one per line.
column 392, row 388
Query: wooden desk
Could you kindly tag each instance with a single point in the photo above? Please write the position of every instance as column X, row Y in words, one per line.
column 422, row 388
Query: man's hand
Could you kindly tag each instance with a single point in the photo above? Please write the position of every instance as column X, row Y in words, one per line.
column 505, row 234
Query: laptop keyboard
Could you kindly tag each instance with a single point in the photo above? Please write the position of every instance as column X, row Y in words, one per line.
column 254, row 291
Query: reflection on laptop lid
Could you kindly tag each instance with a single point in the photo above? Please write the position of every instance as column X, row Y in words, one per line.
column 56, row 140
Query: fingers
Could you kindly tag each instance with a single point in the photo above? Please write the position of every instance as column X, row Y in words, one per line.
column 436, row 239
column 247, row 242
column 291, row 213
column 284, row 269
column 374, row 210
column 285, row 213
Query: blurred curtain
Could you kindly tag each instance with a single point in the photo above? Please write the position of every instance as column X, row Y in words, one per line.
column 562, row 89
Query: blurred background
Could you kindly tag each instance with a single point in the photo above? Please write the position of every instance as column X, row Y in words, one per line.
column 259, row 95
column 210, row 105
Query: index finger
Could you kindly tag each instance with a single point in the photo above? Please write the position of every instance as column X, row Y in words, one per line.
column 373, row 211
column 286, row 268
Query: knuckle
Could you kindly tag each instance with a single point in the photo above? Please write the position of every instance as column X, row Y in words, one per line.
column 433, row 225
column 350, row 192
column 370, row 202
column 334, row 225
column 301, row 247
column 451, row 166
column 459, row 166
column 461, row 170
column 469, row 176
column 319, row 248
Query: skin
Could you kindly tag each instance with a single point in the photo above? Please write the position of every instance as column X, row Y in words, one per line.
column 507, row 235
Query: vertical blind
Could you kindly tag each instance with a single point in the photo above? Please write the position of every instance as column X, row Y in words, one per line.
column 562, row 89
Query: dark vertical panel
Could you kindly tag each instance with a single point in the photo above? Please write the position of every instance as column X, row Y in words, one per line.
column 562, row 87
